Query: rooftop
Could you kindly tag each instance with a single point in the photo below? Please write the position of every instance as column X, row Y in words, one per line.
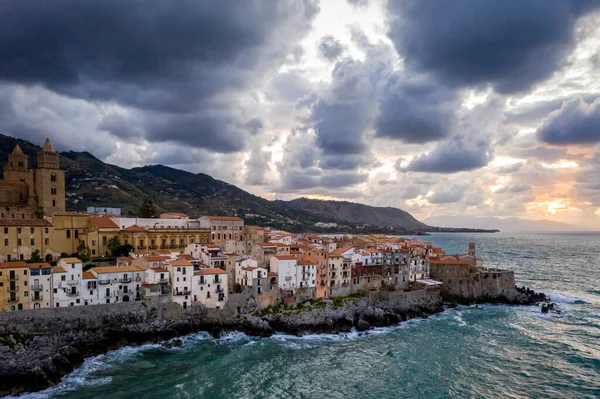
column 210, row 271
column 117, row 269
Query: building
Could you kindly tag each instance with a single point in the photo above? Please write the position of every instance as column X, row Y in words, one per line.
column 286, row 268
column 210, row 287
column 40, row 285
column 340, row 271
column 21, row 238
column 14, row 294
column 306, row 274
column 66, row 283
column 119, row 283
column 104, row 210
column 89, row 288
column 182, row 273
column 27, row 193
column 223, row 228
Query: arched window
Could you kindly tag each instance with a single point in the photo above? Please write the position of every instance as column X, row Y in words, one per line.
column 53, row 190
column 76, row 233
column 68, row 233
column 53, row 202
column 52, row 177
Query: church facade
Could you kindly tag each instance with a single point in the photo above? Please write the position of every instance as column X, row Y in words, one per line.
column 30, row 193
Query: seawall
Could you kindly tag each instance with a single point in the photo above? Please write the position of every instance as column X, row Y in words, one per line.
column 38, row 347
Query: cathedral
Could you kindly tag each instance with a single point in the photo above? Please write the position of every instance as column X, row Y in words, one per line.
column 30, row 193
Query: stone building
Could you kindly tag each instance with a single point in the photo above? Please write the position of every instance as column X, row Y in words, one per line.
column 24, row 189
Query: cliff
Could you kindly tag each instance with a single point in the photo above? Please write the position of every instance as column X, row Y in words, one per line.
column 39, row 347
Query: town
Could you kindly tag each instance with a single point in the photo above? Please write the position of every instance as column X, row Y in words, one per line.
column 51, row 258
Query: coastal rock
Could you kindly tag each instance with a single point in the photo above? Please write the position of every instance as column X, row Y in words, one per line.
column 362, row 325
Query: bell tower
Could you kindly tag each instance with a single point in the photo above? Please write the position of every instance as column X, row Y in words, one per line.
column 49, row 181
column 17, row 168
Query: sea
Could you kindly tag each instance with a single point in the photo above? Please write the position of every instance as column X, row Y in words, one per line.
column 490, row 351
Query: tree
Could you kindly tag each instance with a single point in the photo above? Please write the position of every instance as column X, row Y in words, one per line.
column 39, row 212
column 35, row 257
column 148, row 209
column 113, row 244
column 123, row 250
column 83, row 252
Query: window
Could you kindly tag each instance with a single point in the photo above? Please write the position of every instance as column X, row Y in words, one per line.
column 52, row 177
column 68, row 233
column 19, row 242
column 93, row 252
column 46, row 272
column 93, row 243
column 22, row 216
column 32, row 230
column 6, row 228
column 53, row 191
column 46, row 230
column 25, row 293
column 46, row 241
column 34, row 272
column 8, row 258
column 18, row 230
column 6, row 242
column 53, row 202
column 32, row 241
column 76, row 233
column 104, row 240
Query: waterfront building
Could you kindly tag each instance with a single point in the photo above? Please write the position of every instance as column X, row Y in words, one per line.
column 14, row 290
column 66, row 283
column 119, row 283
column 40, row 285
column 181, row 274
column 306, row 273
column 419, row 268
column 285, row 267
column 89, row 289
column 157, row 282
column 209, row 287
column 340, row 271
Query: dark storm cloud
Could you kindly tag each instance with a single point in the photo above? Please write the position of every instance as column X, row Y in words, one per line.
column 416, row 110
column 184, row 60
column 575, row 123
column 459, row 154
column 536, row 112
column 330, row 47
column 511, row 44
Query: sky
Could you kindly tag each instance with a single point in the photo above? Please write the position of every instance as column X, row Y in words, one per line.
column 439, row 107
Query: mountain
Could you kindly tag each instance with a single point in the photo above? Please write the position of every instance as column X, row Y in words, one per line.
column 91, row 182
column 352, row 212
column 511, row 224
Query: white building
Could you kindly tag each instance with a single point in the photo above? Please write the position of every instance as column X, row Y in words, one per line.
column 181, row 274
column 306, row 274
column 119, row 283
column 240, row 265
column 89, row 288
column 40, row 285
column 210, row 288
column 285, row 267
column 66, row 283
column 419, row 269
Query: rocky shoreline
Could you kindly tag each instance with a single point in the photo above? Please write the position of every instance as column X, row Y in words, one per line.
column 37, row 348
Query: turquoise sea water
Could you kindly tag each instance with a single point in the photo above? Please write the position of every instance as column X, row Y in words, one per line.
column 492, row 352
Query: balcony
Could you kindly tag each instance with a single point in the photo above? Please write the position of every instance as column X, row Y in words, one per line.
column 12, row 289
column 126, row 279
column 104, row 281
column 219, row 290
column 217, row 281
column 38, row 287
column 71, row 293
column 180, row 293
column 181, row 245
column 153, row 246
column 138, row 279
column 323, row 274
column 73, row 282
column 12, row 277
column 13, row 299
column 163, row 280
column 141, row 247
column 202, row 282
column 37, row 297
column 109, row 294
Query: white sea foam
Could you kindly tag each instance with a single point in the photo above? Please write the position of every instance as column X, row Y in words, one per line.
column 566, row 299
column 459, row 319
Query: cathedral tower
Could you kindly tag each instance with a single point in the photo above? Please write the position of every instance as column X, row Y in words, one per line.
column 49, row 181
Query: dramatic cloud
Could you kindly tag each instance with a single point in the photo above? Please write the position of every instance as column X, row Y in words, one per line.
column 416, row 110
column 509, row 44
column 457, row 155
column 575, row 123
column 175, row 69
column 447, row 194
column 330, row 48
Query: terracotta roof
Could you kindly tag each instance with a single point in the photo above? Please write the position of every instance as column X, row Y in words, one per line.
column 212, row 246
column 372, row 250
column 181, row 262
column 103, row 222
column 71, row 260
column 159, row 270
column 25, row 222
column 210, row 271
column 285, row 257
column 87, row 275
column 14, row 265
column 225, row 218
column 249, row 268
column 267, row 244
column 272, row 274
column 117, row 269
column 135, row 229
column 341, row 250
column 156, row 258
column 58, row 269
column 305, row 262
